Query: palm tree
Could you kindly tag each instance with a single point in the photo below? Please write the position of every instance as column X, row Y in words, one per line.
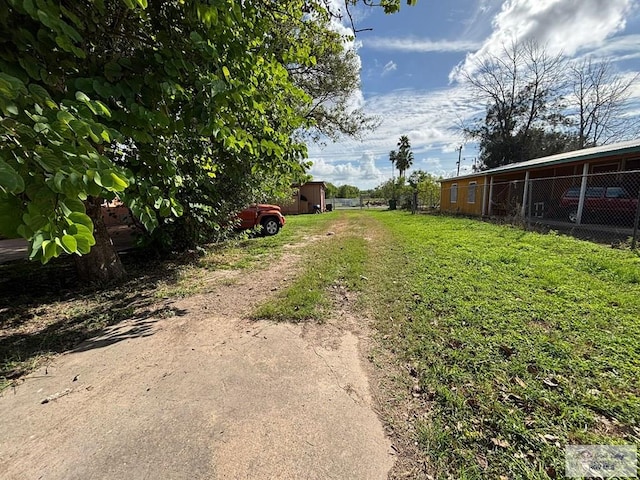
column 393, row 158
column 404, row 157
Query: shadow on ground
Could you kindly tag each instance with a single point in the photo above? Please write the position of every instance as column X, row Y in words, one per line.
column 44, row 310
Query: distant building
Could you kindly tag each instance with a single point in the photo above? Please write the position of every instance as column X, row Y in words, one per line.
column 539, row 187
column 305, row 198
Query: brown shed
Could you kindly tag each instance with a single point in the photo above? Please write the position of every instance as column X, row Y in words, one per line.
column 304, row 198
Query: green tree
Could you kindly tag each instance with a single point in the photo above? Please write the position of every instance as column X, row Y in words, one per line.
column 395, row 188
column 404, row 157
column 332, row 81
column 331, row 191
column 348, row 191
column 428, row 187
column 137, row 101
column 522, row 88
column 393, row 158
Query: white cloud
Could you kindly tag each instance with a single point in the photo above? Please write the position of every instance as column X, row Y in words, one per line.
column 410, row 44
column 566, row 26
column 431, row 121
column 358, row 172
column 618, row 49
column 389, row 67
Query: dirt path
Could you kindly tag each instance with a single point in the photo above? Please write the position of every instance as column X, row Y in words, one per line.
column 204, row 394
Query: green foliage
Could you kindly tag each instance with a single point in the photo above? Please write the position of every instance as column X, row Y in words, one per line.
column 159, row 104
column 331, row 190
column 389, row 6
column 403, row 158
column 348, row 191
column 393, row 188
column 332, row 81
column 393, row 157
column 54, row 142
column 427, row 186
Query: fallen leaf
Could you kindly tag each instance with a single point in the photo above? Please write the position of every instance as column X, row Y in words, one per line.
column 520, row 382
column 500, row 443
column 551, row 438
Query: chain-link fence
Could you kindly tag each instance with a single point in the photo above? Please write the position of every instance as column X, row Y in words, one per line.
column 599, row 206
column 414, row 202
column 356, row 202
column 342, row 203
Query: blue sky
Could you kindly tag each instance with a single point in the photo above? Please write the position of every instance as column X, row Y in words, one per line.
column 409, row 64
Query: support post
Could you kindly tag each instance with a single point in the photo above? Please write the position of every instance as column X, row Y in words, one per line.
column 484, row 197
column 583, row 192
column 525, row 195
column 530, row 202
column 635, row 225
column 489, row 211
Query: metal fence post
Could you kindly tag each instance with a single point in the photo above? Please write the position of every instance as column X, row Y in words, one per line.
column 530, row 202
column 583, row 191
column 635, row 224
column 490, row 206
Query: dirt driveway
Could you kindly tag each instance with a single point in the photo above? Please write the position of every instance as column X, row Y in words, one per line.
column 204, row 394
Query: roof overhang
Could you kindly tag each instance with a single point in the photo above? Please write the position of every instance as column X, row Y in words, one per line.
column 586, row 154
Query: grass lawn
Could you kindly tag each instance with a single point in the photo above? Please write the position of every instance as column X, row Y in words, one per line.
column 521, row 343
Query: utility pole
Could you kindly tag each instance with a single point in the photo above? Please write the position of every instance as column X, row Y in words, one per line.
column 458, row 162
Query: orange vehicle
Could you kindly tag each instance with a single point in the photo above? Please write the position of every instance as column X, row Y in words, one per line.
column 268, row 217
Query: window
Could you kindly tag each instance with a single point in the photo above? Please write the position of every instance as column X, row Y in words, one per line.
column 573, row 192
column 616, row 192
column 471, row 192
column 595, row 192
column 453, row 193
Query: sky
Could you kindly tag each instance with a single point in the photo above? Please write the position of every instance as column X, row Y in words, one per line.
column 411, row 63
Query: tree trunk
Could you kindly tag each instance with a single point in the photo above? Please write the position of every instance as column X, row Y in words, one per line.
column 102, row 264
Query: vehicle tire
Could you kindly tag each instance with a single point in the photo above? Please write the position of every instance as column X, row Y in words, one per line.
column 270, row 226
column 573, row 216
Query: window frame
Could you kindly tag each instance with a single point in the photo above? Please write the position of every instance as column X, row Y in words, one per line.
column 474, row 190
column 453, row 193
